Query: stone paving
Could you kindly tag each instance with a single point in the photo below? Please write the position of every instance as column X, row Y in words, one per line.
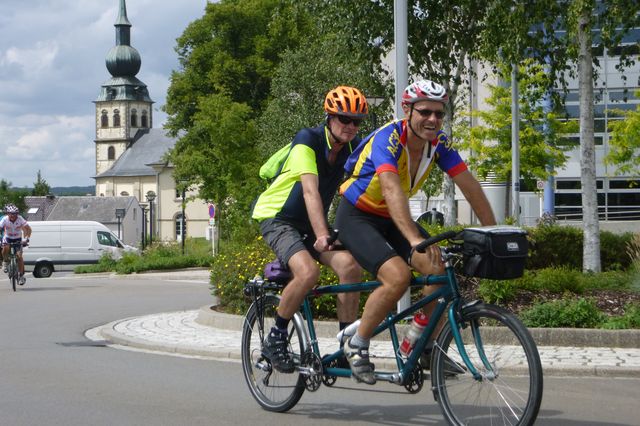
column 178, row 333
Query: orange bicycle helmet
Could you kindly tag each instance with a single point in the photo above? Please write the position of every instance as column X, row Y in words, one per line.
column 347, row 101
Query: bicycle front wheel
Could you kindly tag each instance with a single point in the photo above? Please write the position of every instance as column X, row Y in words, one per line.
column 274, row 391
column 13, row 273
column 508, row 386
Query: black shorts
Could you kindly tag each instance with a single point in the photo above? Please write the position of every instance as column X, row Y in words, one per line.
column 286, row 239
column 371, row 239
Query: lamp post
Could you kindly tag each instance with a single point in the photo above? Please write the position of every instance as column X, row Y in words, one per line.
column 150, row 197
column 143, row 207
column 183, row 225
column 374, row 101
column 119, row 216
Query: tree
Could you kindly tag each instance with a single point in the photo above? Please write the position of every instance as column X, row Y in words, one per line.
column 560, row 34
column 490, row 141
column 301, row 83
column 9, row 195
column 228, row 58
column 40, row 186
column 624, row 143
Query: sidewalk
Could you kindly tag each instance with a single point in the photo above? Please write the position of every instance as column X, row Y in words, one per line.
column 186, row 333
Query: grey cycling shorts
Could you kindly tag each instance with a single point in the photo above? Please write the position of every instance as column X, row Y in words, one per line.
column 286, row 240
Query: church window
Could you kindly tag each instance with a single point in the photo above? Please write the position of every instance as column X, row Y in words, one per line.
column 144, row 120
column 111, row 153
column 134, row 118
column 104, row 119
column 116, row 118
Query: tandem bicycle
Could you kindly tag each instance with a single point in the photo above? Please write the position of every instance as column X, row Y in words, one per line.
column 497, row 374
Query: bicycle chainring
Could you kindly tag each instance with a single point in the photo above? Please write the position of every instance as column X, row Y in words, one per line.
column 313, row 379
column 327, row 379
column 415, row 381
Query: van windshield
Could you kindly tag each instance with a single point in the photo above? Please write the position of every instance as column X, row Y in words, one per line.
column 108, row 239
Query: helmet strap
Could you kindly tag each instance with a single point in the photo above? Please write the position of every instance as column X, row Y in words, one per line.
column 335, row 138
column 411, row 127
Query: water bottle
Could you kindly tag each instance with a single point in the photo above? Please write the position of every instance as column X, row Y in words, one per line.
column 418, row 324
column 348, row 331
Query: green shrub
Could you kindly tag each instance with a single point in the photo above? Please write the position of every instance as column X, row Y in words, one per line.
column 558, row 280
column 160, row 256
column 574, row 313
column 611, row 280
column 492, row 291
column 630, row 319
column 554, row 245
column 238, row 263
column 105, row 264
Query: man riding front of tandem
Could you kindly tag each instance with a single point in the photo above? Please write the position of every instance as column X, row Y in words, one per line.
column 374, row 219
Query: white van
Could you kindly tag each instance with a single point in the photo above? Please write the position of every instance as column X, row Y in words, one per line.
column 60, row 245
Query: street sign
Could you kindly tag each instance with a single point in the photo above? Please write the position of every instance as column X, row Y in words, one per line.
column 212, row 211
column 212, row 221
column 540, row 184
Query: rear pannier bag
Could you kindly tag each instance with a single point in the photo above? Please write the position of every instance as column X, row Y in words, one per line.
column 494, row 252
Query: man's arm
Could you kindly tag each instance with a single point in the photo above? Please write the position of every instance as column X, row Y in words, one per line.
column 398, row 205
column 476, row 197
column 26, row 231
column 315, row 210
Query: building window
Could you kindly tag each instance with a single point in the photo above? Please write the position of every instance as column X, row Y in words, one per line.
column 134, row 118
column 111, row 153
column 124, row 194
column 178, row 226
column 104, row 119
column 144, row 121
column 116, row 118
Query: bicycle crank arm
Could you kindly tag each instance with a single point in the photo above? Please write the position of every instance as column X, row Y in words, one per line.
column 395, row 378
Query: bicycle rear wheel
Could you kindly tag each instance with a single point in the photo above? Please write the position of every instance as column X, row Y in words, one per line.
column 509, row 388
column 274, row 391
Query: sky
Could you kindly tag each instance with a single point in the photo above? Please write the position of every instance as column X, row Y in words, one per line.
column 52, row 65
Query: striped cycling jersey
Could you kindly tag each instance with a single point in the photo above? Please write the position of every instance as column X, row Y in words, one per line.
column 385, row 151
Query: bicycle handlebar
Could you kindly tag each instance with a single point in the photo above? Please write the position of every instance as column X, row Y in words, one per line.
column 422, row 247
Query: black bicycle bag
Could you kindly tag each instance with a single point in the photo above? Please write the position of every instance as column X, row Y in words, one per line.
column 494, row 252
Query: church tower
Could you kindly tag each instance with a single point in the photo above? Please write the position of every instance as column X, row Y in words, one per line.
column 123, row 106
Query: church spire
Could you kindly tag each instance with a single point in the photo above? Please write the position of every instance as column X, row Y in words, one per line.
column 123, row 60
column 123, row 63
column 123, row 26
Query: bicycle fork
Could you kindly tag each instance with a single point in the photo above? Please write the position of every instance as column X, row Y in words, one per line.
column 457, row 336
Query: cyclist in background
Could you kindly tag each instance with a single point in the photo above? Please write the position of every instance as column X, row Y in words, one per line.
column 373, row 216
column 14, row 227
column 296, row 205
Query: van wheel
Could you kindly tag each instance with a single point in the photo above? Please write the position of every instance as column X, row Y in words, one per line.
column 43, row 270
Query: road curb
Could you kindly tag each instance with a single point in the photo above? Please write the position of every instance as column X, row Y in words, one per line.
column 573, row 337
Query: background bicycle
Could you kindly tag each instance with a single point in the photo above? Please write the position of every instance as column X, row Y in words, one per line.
column 484, row 367
column 13, row 270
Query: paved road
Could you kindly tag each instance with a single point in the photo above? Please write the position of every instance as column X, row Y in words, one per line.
column 52, row 375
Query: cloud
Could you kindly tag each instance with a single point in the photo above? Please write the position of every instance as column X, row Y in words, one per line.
column 52, row 64
column 33, row 61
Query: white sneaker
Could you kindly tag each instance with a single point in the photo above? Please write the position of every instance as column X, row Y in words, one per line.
column 22, row 280
column 5, row 267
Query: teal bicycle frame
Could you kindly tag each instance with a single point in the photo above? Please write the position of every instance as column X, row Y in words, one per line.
column 447, row 295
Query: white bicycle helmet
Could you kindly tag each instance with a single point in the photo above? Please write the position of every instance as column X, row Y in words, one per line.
column 424, row 90
column 11, row 209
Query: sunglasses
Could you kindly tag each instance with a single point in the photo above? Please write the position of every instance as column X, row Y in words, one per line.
column 346, row 120
column 425, row 113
